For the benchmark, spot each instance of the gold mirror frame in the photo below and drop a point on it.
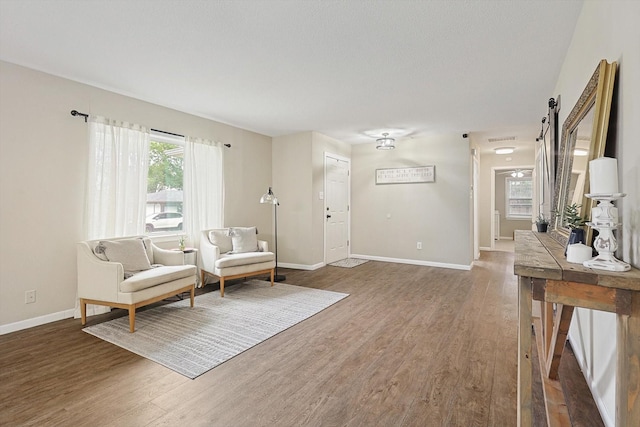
(596, 97)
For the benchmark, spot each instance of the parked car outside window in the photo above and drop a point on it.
(164, 221)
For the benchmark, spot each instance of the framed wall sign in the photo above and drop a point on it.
(406, 175)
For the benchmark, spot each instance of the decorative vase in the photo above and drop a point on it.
(576, 236)
(542, 228)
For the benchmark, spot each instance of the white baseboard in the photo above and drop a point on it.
(604, 413)
(67, 314)
(414, 262)
(485, 248)
(301, 266)
(36, 321)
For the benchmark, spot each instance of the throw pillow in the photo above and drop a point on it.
(146, 241)
(131, 253)
(244, 239)
(98, 251)
(221, 239)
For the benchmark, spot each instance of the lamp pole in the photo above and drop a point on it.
(277, 277)
(271, 198)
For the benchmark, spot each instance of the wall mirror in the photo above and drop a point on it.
(584, 135)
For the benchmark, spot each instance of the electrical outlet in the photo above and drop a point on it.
(30, 297)
(419, 245)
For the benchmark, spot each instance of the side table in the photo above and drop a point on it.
(191, 258)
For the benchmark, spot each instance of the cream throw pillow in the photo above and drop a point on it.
(131, 253)
(244, 239)
(220, 238)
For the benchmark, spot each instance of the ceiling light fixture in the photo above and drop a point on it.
(504, 150)
(385, 143)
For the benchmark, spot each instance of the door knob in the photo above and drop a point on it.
(328, 216)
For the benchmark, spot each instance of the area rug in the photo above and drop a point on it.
(349, 262)
(191, 341)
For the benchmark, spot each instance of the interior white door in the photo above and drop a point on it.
(336, 208)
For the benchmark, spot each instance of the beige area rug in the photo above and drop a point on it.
(192, 341)
(349, 262)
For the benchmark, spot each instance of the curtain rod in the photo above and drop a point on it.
(86, 116)
(76, 113)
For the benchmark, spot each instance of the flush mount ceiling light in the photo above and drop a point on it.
(504, 150)
(385, 143)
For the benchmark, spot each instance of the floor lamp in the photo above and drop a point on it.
(271, 199)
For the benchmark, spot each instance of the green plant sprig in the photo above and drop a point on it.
(572, 218)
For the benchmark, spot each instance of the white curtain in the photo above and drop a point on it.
(116, 193)
(203, 202)
(117, 179)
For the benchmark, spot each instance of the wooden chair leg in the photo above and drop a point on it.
(272, 273)
(83, 311)
(193, 294)
(202, 275)
(132, 318)
(221, 287)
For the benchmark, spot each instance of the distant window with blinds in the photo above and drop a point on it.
(519, 198)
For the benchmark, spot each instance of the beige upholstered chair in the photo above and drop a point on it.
(234, 252)
(130, 273)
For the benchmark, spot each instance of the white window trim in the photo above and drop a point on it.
(507, 199)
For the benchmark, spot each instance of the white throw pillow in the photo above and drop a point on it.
(220, 238)
(148, 249)
(131, 253)
(244, 239)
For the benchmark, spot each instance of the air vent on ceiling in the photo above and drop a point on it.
(505, 138)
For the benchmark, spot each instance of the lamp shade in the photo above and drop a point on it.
(269, 198)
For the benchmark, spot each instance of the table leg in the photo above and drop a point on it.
(628, 366)
(525, 417)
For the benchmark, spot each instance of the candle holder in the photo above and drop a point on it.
(605, 220)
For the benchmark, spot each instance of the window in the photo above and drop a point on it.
(519, 195)
(165, 183)
(139, 180)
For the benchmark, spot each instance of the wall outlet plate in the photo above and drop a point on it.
(30, 297)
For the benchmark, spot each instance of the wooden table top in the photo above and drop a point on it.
(538, 255)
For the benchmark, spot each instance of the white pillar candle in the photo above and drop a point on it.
(603, 176)
(578, 253)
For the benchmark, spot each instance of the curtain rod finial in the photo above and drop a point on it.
(77, 113)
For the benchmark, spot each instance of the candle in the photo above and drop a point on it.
(578, 253)
(603, 176)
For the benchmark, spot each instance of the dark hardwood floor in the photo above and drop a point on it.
(410, 346)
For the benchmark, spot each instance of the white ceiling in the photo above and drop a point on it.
(349, 69)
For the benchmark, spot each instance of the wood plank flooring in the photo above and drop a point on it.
(410, 346)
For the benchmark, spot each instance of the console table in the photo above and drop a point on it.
(546, 276)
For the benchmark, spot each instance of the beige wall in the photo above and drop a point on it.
(298, 177)
(608, 30)
(292, 184)
(388, 220)
(43, 157)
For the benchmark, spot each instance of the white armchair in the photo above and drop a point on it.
(234, 252)
(126, 273)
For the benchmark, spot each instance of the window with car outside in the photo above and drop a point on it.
(165, 184)
(519, 198)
